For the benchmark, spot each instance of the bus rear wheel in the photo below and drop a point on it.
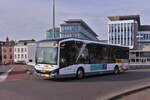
(116, 70)
(80, 73)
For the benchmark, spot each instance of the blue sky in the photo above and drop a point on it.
(27, 19)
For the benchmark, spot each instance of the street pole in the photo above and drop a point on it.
(53, 32)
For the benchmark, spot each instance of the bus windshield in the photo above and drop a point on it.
(47, 55)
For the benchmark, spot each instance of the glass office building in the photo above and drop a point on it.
(123, 30)
(144, 34)
(77, 28)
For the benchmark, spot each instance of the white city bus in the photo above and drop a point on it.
(70, 57)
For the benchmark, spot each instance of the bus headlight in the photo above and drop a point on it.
(47, 75)
(47, 69)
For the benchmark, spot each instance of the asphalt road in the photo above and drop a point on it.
(90, 88)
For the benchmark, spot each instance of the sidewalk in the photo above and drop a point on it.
(143, 95)
(4, 68)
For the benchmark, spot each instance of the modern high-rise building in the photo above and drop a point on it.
(142, 53)
(75, 28)
(144, 33)
(123, 30)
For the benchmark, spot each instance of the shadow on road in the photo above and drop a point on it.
(17, 72)
(126, 76)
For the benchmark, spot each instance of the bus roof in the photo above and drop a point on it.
(59, 39)
(79, 39)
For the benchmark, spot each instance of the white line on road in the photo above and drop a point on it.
(4, 75)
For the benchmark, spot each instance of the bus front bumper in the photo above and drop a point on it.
(47, 74)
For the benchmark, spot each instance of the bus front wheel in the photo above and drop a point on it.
(80, 73)
(116, 70)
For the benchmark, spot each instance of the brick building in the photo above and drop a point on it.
(1, 44)
(7, 52)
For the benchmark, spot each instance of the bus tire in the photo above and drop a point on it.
(116, 70)
(80, 73)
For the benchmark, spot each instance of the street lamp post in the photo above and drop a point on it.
(53, 32)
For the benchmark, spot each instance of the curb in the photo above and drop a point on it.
(119, 95)
(134, 67)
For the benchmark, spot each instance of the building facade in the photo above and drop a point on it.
(20, 53)
(1, 44)
(31, 52)
(123, 30)
(8, 52)
(23, 51)
(75, 28)
(144, 35)
(142, 55)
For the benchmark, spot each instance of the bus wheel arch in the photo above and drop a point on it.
(80, 73)
(116, 70)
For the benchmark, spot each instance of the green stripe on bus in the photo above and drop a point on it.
(96, 67)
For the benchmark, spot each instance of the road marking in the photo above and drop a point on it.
(5, 75)
(18, 73)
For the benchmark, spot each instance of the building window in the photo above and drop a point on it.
(22, 56)
(121, 27)
(5, 56)
(62, 28)
(125, 41)
(25, 56)
(10, 56)
(18, 56)
(128, 42)
(129, 26)
(118, 40)
(21, 49)
(119, 34)
(18, 49)
(76, 28)
(10, 49)
(25, 50)
(125, 27)
(128, 34)
(121, 41)
(118, 27)
(4, 50)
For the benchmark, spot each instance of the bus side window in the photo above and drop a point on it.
(84, 58)
(99, 54)
(69, 53)
(91, 51)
